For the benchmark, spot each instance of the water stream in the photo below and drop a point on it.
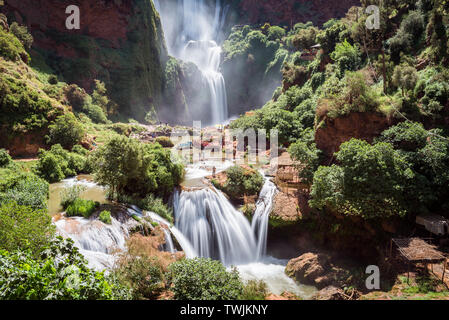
(192, 28)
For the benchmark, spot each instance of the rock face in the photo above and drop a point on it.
(289, 12)
(120, 42)
(333, 132)
(285, 209)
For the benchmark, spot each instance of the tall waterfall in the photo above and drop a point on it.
(192, 28)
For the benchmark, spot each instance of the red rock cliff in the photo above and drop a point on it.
(120, 42)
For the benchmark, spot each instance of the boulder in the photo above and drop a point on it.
(310, 269)
(330, 293)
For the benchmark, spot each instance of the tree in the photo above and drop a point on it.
(369, 182)
(346, 56)
(308, 157)
(21, 32)
(99, 96)
(66, 131)
(130, 167)
(405, 77)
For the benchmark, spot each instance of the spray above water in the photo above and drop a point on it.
(192, 28)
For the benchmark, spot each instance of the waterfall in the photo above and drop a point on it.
(189, 251)
(97, 241)
(192, 31)
(213, 227)
(261, 216)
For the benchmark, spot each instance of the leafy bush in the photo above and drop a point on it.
(275, 33)
(29, 190)
(49, 167)
(143, 275)
(346, 56)
(10, 47)
(57, 163)
(204, 279)
(356, 96)
(307, 156)
(21, 33)
(5, 158)
(130, 167)
(105, 217)
(53, 79)
(81, 208)
(23, 227)
(22, 107)
(165, 142)
(369, 182)
(66, 131)
(70, 194)
(254, 290)
(242, 181)
(60, 272)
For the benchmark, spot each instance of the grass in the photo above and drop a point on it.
(422, 287)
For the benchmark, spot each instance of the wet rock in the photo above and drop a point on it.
(309, 267)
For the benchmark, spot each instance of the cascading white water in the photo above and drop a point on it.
(261, 216)
(195, 41)
(189, 251)
(214, 228)
(97, 241)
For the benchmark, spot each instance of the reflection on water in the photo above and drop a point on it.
(93, 192)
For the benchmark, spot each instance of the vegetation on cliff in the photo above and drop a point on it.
(397, 73)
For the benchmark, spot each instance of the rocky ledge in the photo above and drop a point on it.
(317, 269)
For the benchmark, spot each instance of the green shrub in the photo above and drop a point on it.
(66, 131)
(105, 217)
(129, 167)
(81, 208)
(5, 158)
(24, 228)
(70, 194)
(57, 164)
(241, 181)
(275, 33)
(143, 274)
(22, 107)
(254, 290)
(60, 272)
(370, 182)
(29, 191)
(53, 79)
(49, 168)
(165, 142)
(10, 47)
(204, 279)
(21, 33)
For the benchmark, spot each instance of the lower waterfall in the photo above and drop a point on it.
(215, 229)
